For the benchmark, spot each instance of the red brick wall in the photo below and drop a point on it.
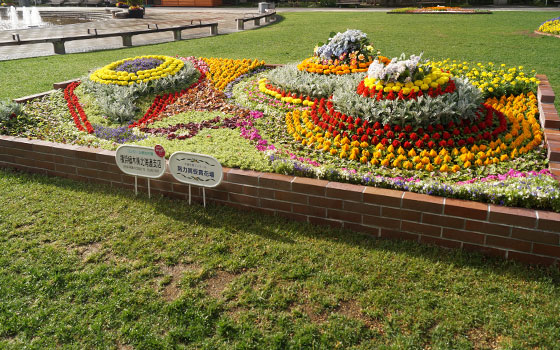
(530, 236)
(525, 235)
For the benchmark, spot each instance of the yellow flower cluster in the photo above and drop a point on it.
(309, 65)
(551, 26)
(490, 77)
(433, 80)
(524, 135)
(278, 96)
(222, 71)
(108, 75)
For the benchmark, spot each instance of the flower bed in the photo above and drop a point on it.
(446, 128)
(438, 9)
(551, 27)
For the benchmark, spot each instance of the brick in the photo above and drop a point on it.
(371, 231)
(325, 222)
(42, 147)
(553, 149)
(30, 162)
(344, 216)
(6, 141)
(383, 196)
(513, 216)
(466, 209)
(23, 144)
(75, 162)
(184, 188)
(440, 242)
(244, 177)
(276, 181)
(443, 220)
(16, 152)
(43, 157)
(88, 153)
(422, 202)
(159, 185)
(65, 168)
(309, 186)
(549, 221)
(489, 228)
(239, 188)
(535, 235)
(87, 172)
(401, 214)
(379, 221)
(129, 179)
(463, 236)
(5, 157)
(362, 208)
(309, 210)
(65, 150)
(546, 249)
(106, 157)
(392, 234)
(215, 194)
(530, 259)
(325, 202)
(266, 193)
(345, 191)
(499, 253)
(421, 228)
(109, 176)
(242, 199)
(276, 205)
(508, 243)
(291, 197)
(292, 216)
(545, 93)
(44, 165)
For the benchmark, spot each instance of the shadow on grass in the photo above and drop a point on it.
(262, 225)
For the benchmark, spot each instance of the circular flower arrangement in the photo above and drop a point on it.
(136, 70)
(404, 79)
(344, 53)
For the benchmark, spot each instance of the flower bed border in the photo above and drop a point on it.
(526, 235)
(546, 34)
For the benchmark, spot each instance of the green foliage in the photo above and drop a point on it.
(12, 121)
(112, 270)
(119, 103)
(292, 79)
(462, 104)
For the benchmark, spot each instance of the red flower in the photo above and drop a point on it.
(354, 137)
(390, 135)
(470, 140)
(431, 144)
(413, 136)
(450, 143)
(456, 132)
(396, 143)
(419, 144)
(386, 127)
(369, 131)
(377, 125)
(407, 145)
(397, 128)
(420, 131)
(426, 137)
(402, 136)
(375, 140)
(408, 128)
(384, 141)
(364, 138)
(442, 144)
(379, 132)
(430, 129)
(461, 143)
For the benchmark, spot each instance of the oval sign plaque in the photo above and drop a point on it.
(140, 161)
(195, 169)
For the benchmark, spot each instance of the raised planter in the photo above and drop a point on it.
(526, 235)
(138, 13)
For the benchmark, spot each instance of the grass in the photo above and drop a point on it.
(86, 266)
(503, 37)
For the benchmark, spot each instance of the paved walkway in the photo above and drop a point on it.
(163, 17)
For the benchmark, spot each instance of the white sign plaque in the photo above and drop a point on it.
(195, 169)
(140, 161)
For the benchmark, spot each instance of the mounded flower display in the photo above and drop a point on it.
(142, 69)
(448, 128)
(551, 26)
(344, 53)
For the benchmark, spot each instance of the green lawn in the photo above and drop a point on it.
(87, 267)
(502, 37)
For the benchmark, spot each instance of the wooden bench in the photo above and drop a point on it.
(422, 3)
(356, 3)
(268, 17)
(126, 36)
